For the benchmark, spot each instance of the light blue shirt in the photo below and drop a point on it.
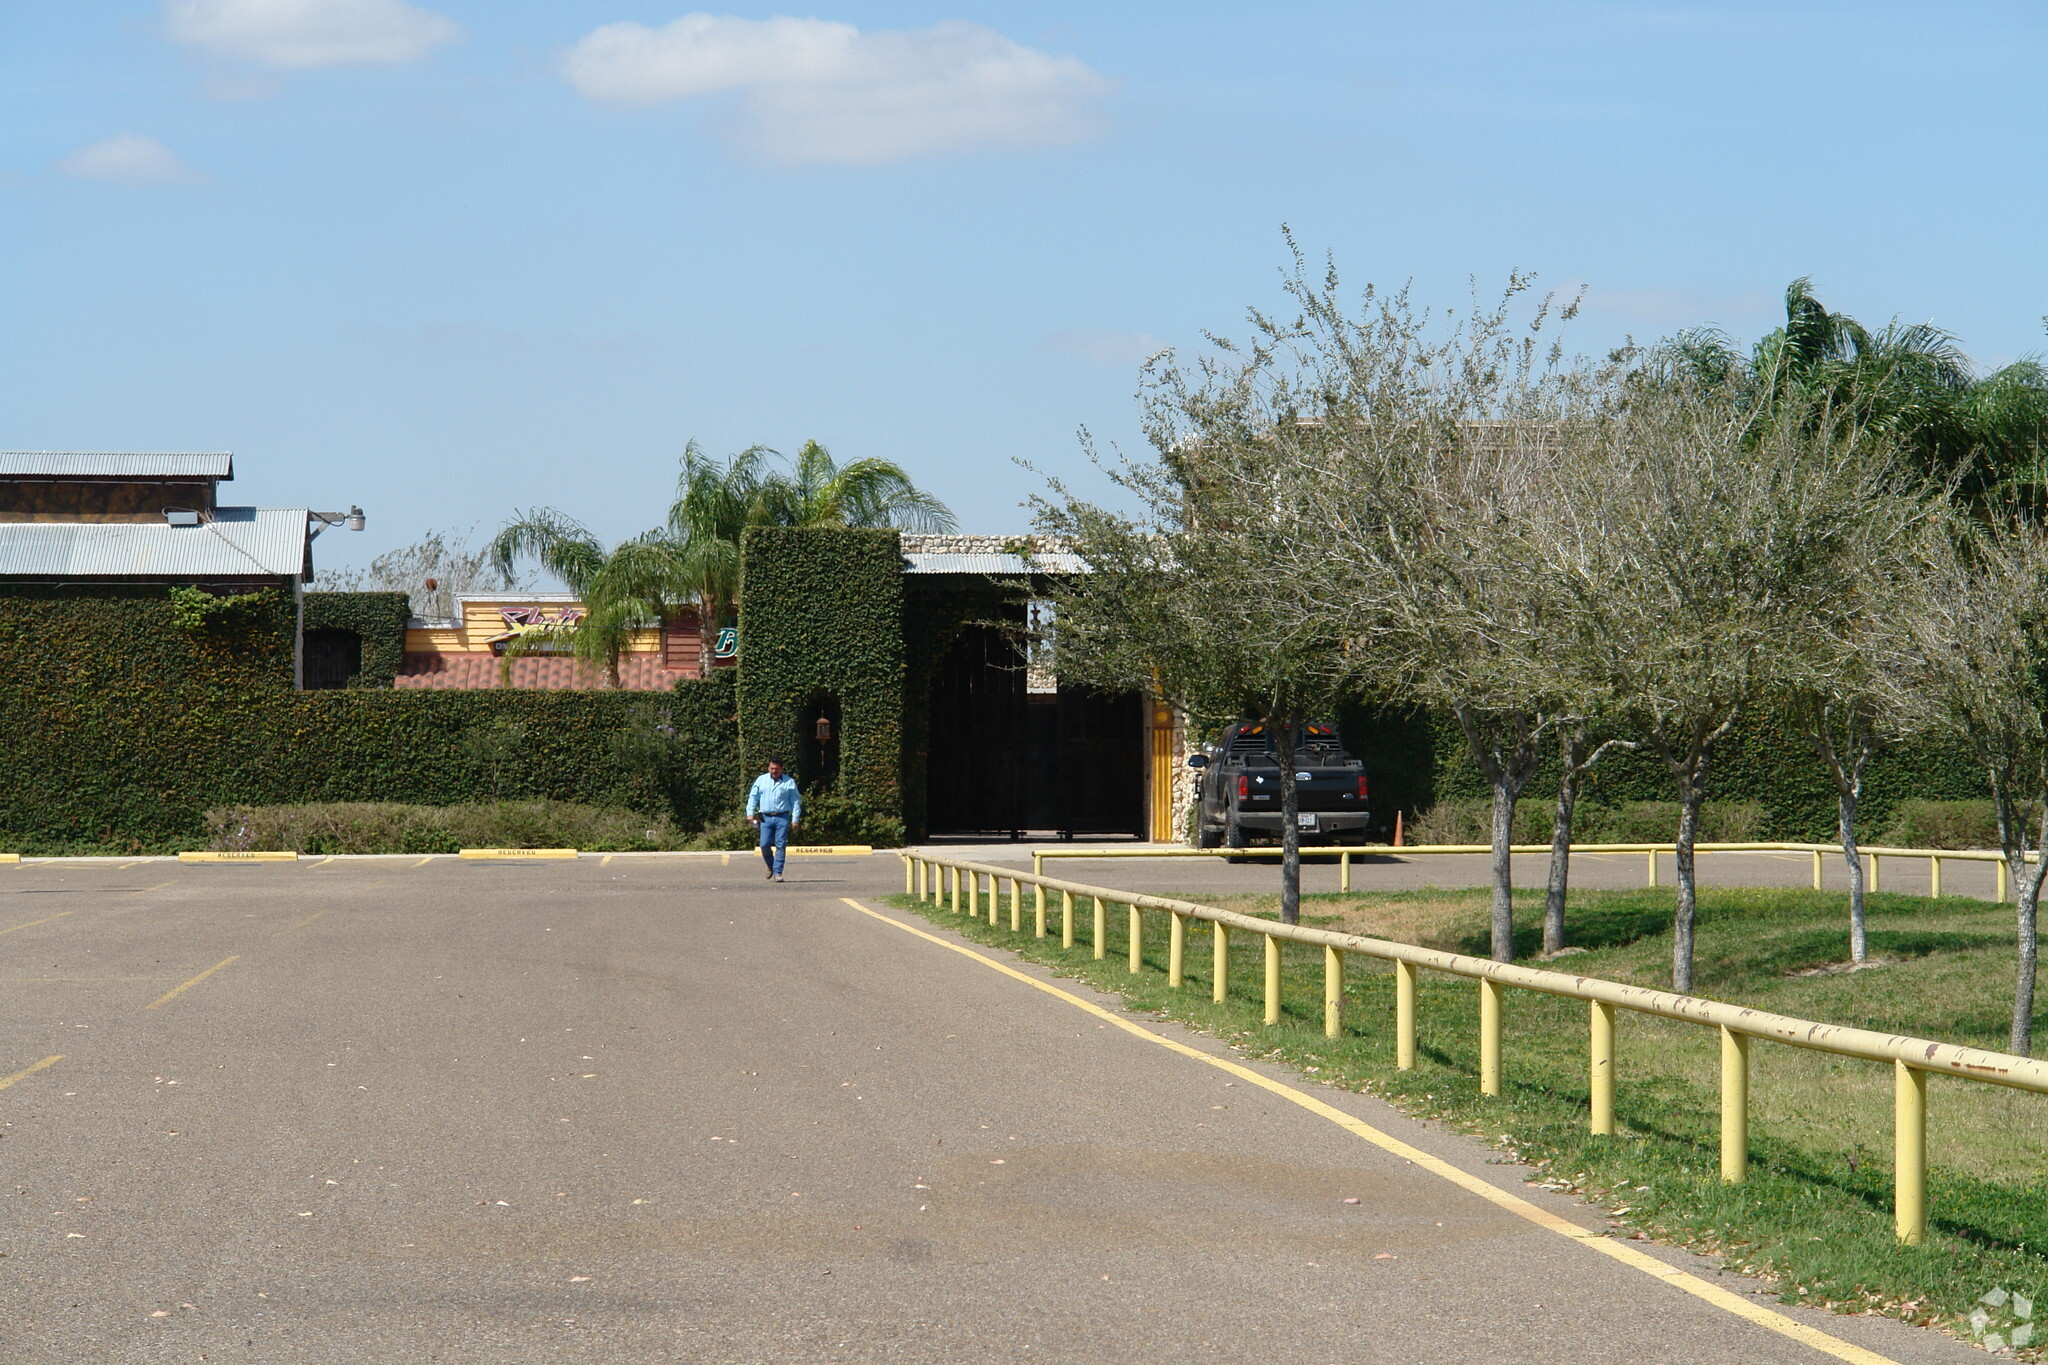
(769, 797)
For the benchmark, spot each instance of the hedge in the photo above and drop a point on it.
(821, 627)
(1415, 761)
(377, 619)
(119, 729)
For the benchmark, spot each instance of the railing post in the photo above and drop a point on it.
(1404, 1016)
(1934, 878)
(1653, 868)
(1066, 919)
(1734, 1106)
(1219, 990)
(1489, 1036)
(1038, 911)
(1137, 940)
(924, 879)
(1016, 904)
(1037, 863)
(1273, 950)
(2003, 875)
(1344, 861)
(1816, 869)
(1333, 991)
(1876, 872)
(1601, 1075)
(1909, 1153)
(955, 889)
(1176, 950)
(995, 895)
(909, 874)
(1101, 928)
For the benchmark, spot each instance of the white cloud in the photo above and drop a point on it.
(813, 90)
(309, 33)
(128, 159)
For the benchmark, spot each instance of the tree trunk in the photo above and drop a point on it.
(1571, 766)
(2026, 887)
(1503, 935)
(708, 613)
(1845, 822)
(1505, 748)
(1290, 826)
(1691, 791)
(1859, 743)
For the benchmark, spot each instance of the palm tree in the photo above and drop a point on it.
(695, 556)
(716, 501)
(641, 580)
(872, 492)
(1985, 436)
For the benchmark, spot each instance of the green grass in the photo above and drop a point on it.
(1814, 1218)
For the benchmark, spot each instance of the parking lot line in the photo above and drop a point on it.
(34, 922)
(28, 1071)
(177, 991)
(304, 922)
(144, 891)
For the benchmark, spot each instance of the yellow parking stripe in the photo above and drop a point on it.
(28, 1071)
(175, 992)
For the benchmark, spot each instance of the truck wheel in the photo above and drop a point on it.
(1233, 837)
(1206, 837)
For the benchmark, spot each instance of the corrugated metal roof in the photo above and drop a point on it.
(108, 464)
(994, 564)
(240, 542)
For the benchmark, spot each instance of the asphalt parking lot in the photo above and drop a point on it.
(654, 1109)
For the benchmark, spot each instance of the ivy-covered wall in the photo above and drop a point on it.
(1416, 760)
(119, 727)
(821, 627)
(377, 618)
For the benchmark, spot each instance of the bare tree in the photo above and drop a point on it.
(1190, 599)
(432, 571)
(1855, 688)
(1982, 636)
(1445, 434)
(1703, 542)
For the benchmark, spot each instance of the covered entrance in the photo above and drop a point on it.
(1007, 760)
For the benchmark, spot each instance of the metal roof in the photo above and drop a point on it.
(106, 464)
(239, 542)
(1056, 563)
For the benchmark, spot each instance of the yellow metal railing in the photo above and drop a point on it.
(1651, 852)
(1912, 1059)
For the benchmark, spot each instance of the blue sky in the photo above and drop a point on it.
(445, 257)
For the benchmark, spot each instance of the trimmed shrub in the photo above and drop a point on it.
(1632, 822)
(829, 818)
(393, 827)
(1943, 824)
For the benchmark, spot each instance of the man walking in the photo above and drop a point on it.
(774, 808)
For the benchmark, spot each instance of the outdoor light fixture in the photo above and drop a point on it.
(353, 519)
(824, 730)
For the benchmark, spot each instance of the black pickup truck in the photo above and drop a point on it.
(1237, 788)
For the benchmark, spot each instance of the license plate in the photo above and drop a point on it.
(1305, 821)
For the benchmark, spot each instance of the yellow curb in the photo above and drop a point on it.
(517, 853)
(274, 856)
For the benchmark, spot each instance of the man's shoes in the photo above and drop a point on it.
(771, 874)
(778, 876)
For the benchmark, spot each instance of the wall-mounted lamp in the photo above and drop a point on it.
(824, 731)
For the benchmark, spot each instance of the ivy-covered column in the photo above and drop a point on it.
(821, 637)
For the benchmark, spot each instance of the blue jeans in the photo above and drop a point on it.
(774, 840)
